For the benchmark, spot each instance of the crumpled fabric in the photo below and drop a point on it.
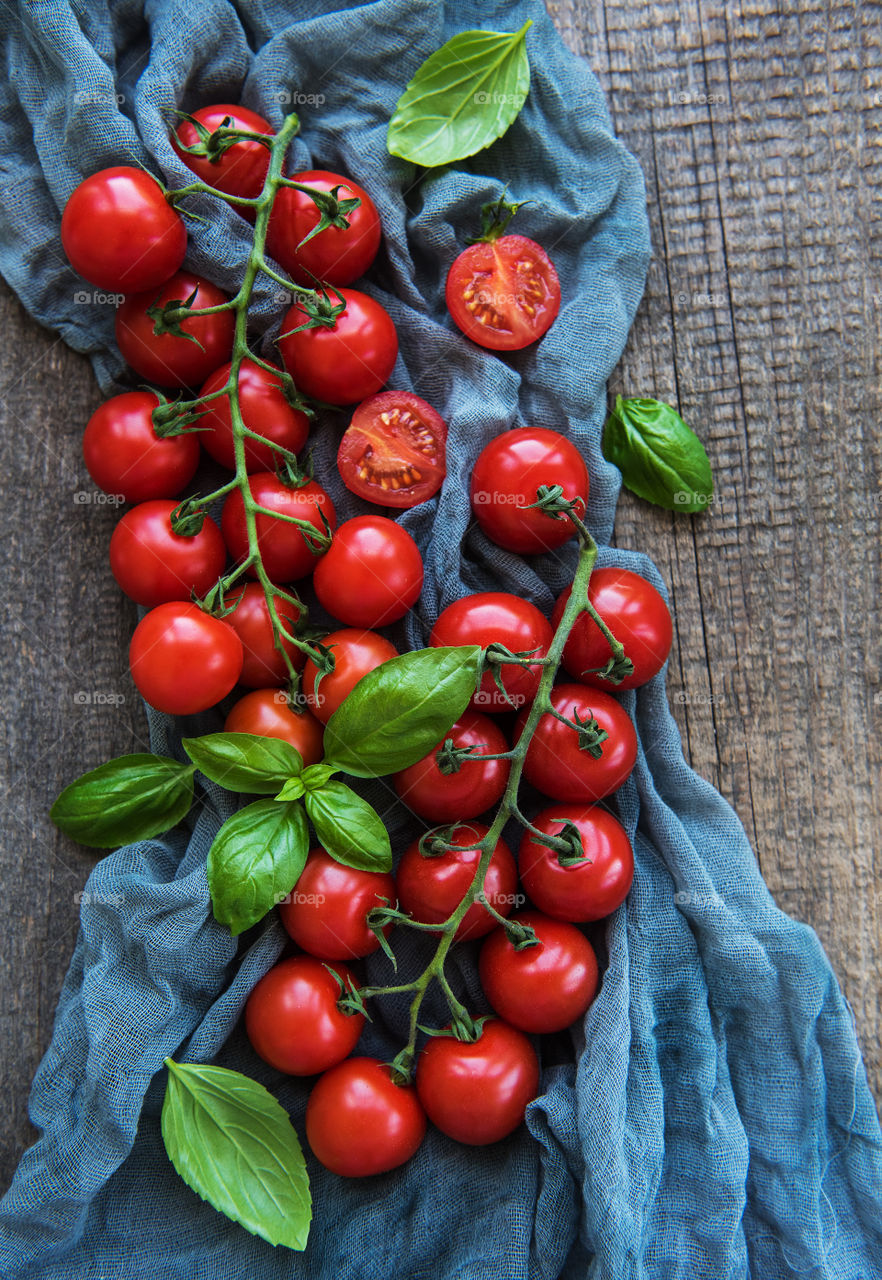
(711, 1118)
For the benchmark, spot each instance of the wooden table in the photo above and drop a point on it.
(758, 129)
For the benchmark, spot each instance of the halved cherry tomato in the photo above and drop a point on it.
(393, 451)
(168, 359)
(241, 169)
(504, 294)
(337, 255)
(264, 409)
(267, 712)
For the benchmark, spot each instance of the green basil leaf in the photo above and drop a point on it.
(399, 711)
(244, 761)
(347, 826)
(463, 97)
(131, 798)
(661, 458)
(235, 1146)
(256, 858)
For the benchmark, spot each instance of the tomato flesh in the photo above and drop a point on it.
(392, 452)
(505, 294)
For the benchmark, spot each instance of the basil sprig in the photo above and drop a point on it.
(255, 860)
(661, 458)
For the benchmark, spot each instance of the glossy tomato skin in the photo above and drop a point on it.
(125, 456)
(555, 763)
(336, 255)
(372, 573)
(293, 1021)
(478, 1093)
(478, 785)
(120, 233)
(264, 664)
(355, 654)
(268, 713)
(636, 615)
(167, 359)
(359, 1122)
(239, 171)
(153, 565)
(344, 363)
(393, 451)
(542, 988)
(490, 617)
(264, 410)
(285, 552)
(505, 479)
(183, 660)
(584, 891)
(503, 295)
(431, 888)
(325, 913)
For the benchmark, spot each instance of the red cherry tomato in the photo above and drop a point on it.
(184, 660)
(337, 255)
(168, 359)
(264, 410)
(293, 1021)
(430, 888)
(558, 766)
(360, 1122)
(506, 477)
(542, 988)
(268, 713)
(586, 890)
(393, 451)
(355, 654)
(478, 1093)
(473, 789)
(343, 362)
(286, 553)
(125, 456)
(636, 615)
(372, 573)
(264, 664)
(496, 617)
(325, 913)
(120, 233)
(504, 294)
(241, 169)
(153, 564)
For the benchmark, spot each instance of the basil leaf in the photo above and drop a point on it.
(131, 798)
(244, 761)
(235, 1146)
(347, 826)
(399, 711)
(463, 97)
(660, 457)
(256, 858)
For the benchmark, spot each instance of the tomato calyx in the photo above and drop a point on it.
(450, 758)
(550, 500)
(212, 144)
(168, 317)
(173, 417)
(591, 736)
(333, 211)
(188, 518)
(351, 1002)
(618, 668)
(320, 311)
(436, 842)
(521, 936)
(495, 217)
(497, 655)
(566, 843)
(463, 1027)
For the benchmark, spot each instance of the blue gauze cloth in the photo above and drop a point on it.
(712, 1118)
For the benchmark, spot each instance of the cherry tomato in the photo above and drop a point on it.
(392, 452)
(586, 890)
(286, 553)
(125, 456)
(153, 564)
(496, 617)
(360, 1122)
(473, 789)
(372, 573)
(557, 765)
(636, 615)
(293, 1021)
(430, 888)
(504, 294)
(478, 1093)
(337, 255)
(168, 359)
(343, 362)
(119, 231)
(268, 713)
(241, 169)
(355, 654)
(506, 477)
(264, 664)
(541, 988)
(326, 911)
(264, 410)
(184, 660)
